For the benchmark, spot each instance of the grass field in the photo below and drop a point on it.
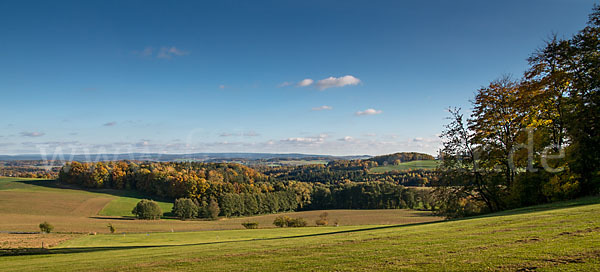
(558, 237)
(122, 206)
(429, 164)
(26, 203)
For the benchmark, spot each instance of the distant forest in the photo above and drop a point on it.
(242, 190)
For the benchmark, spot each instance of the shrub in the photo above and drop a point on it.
(46, 227)
(147, 209)
(321, 222)
(250, 225)
(323, 219)
(111, 228)
(185, 208)
(297, 222)
(213, 209)
(281, 221)
(284, 221)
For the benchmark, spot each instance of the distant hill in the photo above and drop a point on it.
(208, 157)
(397, 158)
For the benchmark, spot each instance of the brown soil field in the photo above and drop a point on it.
(32, 240)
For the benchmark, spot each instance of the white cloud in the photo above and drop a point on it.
(307, 140)
(305, 82)
(324, 107)
(368, 112)
(346, 139)
(337, 82)
(32, 134)
(170, 52)
(110, 124)
(302, 140)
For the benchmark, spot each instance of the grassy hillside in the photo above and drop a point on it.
(424, 164)
(562, 236)
(24, 203)
(122, 206)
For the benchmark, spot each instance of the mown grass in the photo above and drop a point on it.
(411, 165)
(558, 237)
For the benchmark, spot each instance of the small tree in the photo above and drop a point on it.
(185, 208)
(46, 227)
(147, 209)
(323, 219)
(213, 209)
(281, 221)
(111, 228)
(250, 225)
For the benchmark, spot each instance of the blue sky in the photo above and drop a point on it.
(228, 76)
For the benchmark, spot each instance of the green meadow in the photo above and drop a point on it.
(411, 165)
(562, 236)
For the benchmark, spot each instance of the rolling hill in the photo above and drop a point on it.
(557, 237)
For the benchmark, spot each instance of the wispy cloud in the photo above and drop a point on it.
(285, 84)
(346, 139)
(147, 52)
(331, 82)
(165, 52)
(32, 134)
(324, 107)
(368, 112)
(249, 133)
(306, 140)
(110, 124)
(325, 83)
(170, 52)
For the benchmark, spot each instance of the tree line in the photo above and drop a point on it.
(532, 139)
(237, 190)
(344, 171)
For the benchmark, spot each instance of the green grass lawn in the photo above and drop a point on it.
(428, 164)
(558, 237)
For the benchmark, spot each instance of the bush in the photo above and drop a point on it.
(297, 222)
(185, 208)
(321, 222)
(250, 225)
(323, 219)
(284, 221)
(281, 221)
(46, 227)
(213, 209)
(147, 209)
(111, 228)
